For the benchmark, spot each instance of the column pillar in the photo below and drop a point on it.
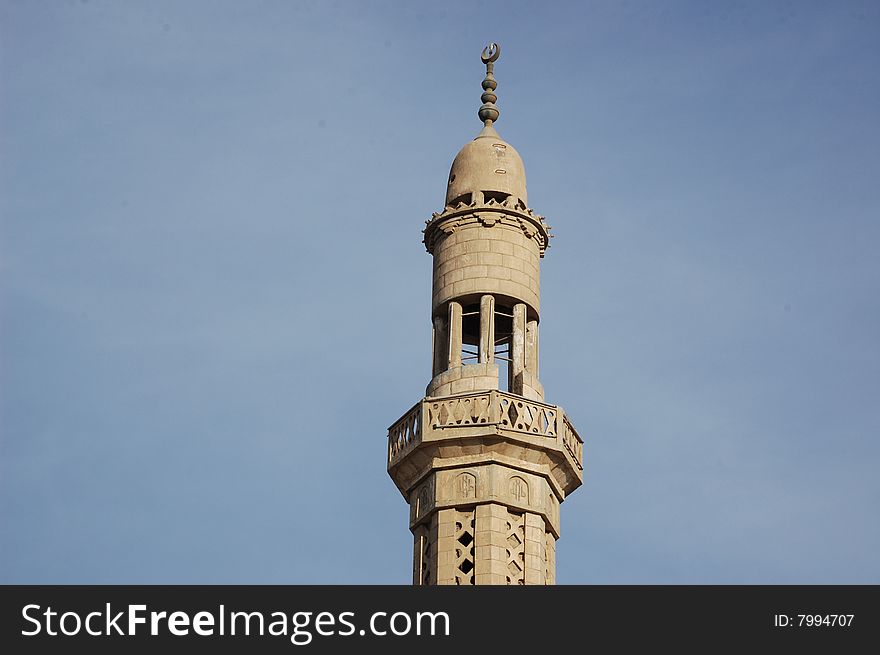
(532, 347)
(440, 344)
(487, 329)
(454, 329)
(518, 348)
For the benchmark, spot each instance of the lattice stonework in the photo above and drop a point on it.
(464, 548)
(520, 414)
(459, 411)
(404, 433)
(516, 551)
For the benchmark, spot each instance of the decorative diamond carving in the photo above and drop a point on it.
(464, 548)
(516, 555)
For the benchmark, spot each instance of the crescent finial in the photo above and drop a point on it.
(491, 52)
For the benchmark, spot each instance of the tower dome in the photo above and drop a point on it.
(487, 166)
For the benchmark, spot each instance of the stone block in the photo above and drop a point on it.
(498, 272)
(502, 247)
(478, 246)
(491, 259)
(468, 234)
(474, 271)
(453, 276)
(462, 385)
(519, 277)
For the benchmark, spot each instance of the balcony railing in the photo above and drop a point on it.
(505, 410)
(405, 433)
(573, 442)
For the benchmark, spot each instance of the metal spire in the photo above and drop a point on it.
(489, 112)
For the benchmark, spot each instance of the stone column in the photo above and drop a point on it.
(487, 329)
(518, 348)
(441, 342)
(454, 329)
(532, 348)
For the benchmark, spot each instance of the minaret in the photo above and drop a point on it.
(483, 461)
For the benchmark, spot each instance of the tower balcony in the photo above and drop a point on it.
(482, 427)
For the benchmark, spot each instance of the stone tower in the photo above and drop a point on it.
(483, 461)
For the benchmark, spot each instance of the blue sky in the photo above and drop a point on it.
(214, 299)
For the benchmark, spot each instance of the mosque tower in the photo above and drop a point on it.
(483, 461)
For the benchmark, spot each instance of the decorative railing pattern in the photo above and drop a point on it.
(405, 433)
(467, 410)
(523, 415)
(506, 410)
(573, 442)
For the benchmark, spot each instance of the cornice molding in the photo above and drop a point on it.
(490, 214)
